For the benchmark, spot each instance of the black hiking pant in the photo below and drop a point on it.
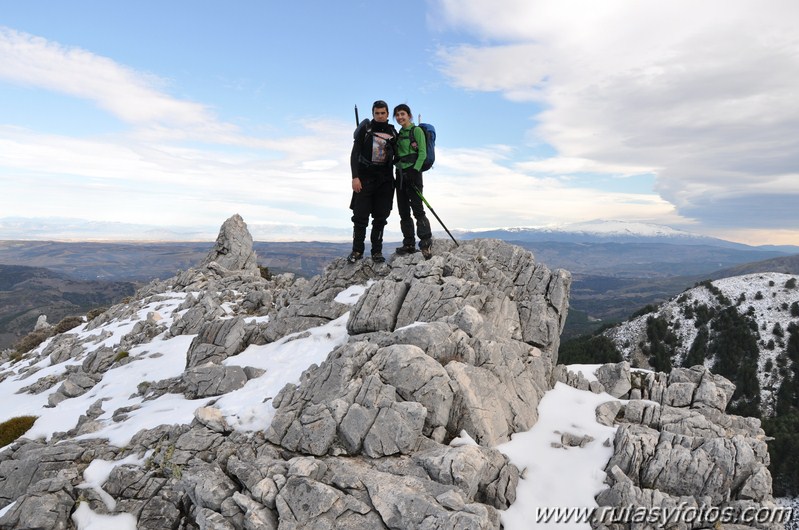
(376, 199)
(409, 201)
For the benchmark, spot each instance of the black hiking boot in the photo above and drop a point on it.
(404, 250)
(377, 257)
(426, 248)
(354, 256)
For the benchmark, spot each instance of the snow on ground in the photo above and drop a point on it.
(792, 502)
(554, 476)
(765, 293)
(158, 359)
(86, 519)
(249, 408)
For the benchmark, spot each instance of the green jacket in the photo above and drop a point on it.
(406, 151)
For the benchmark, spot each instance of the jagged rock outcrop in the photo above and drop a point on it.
(232, 252)
(42, 324)
(464, 341)
(676, 449)
(515, 297)
(480, 362)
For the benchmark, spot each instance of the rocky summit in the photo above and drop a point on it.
(168, 411)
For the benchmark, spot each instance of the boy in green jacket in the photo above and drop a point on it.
(412, 151)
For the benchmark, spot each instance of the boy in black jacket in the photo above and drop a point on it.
(372, 181)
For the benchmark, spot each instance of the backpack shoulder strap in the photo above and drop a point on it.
(412, 138)
(411, 157)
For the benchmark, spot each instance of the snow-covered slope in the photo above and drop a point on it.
(769, 300)
(161, 358)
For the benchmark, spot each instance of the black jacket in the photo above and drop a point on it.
(373, 150)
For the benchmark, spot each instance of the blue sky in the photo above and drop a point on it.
(162, 119)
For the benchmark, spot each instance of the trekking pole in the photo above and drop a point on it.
(419, 193)
(357, 121)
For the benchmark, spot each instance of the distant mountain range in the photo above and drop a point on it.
(618, 267)
(603, 247)
(610, 231)
(597, 231)
(594, 230)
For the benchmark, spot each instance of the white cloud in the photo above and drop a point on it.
(703, 93)
(569, 165)
(151, 173)
(477, 188)
(127, 94)
(127, 181)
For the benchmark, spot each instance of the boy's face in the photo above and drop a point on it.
(380, 114)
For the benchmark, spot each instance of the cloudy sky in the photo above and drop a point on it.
(162, 119)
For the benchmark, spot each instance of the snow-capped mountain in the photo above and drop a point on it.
(615, 228)
(602, 231)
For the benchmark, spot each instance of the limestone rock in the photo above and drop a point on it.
(42, 324)
(607, 412)
(615, 378)
(515, 297)
(681, 448)
(213, 380)
(216, 341)
(233, 252)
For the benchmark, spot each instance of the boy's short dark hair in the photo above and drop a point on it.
(402, 106)
(379, 104)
